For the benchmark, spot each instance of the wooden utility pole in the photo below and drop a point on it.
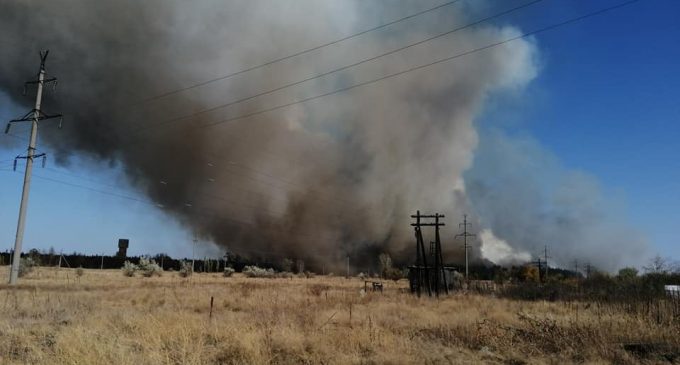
(33, 116)
(424, 274)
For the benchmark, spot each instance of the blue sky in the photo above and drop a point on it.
(604, 102)
(608, 105)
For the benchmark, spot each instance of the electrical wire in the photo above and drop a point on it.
(300, 53)
(376, 80)
(523, 35)
(430, 64)
(317, 76)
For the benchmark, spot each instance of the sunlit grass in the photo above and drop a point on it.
(103, 317)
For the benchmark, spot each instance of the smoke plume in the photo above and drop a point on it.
(318, 180)
(526, 197)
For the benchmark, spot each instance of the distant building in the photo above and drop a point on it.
(672, 291)
(123, 245)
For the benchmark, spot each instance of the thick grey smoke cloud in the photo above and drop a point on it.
(315, 181)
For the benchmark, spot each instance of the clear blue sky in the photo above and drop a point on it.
(605, 102)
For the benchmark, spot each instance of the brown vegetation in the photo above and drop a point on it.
(103, 317)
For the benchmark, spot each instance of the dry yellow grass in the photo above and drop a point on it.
(53, 317)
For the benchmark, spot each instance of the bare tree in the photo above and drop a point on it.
(657, 265)
(385, 264)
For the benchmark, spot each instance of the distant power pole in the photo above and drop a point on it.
(465, 236)
(347, 267)
(226, 258)
(32, 116)
(576, 267)
(193, 254)
(545, 258)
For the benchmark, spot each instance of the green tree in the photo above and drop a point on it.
(628, 273)
(287, 265)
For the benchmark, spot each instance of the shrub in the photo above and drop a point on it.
(149, 267)
(309, 274)
(228, 271)
(26, 265)
(258, 272)
(80, 271)
(284, 275)
(393, 273)
(185, 269)
(129, 269)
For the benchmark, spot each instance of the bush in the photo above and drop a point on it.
(149, 267)
(284, 275)
(258, 272)
(80, 271)
(228, 271)
(393, 273)
(26, 265)
(129, 269)
(185, 269)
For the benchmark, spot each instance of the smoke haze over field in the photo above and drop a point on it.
(317, 180)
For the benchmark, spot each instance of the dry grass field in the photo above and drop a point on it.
(54, 317)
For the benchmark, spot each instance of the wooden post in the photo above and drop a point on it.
(212, 299)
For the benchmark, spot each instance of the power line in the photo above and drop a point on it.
(300, 53)
(78, 176)
(165, 181)
(366, 60)
(200, 212)
(569, 21)
(423, 66)
(97, 190)
(436, 62)
(195, 211)
(524, 35)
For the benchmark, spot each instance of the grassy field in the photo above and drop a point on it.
(54, 317)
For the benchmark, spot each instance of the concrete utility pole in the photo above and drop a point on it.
(465, 235)
(32, 116)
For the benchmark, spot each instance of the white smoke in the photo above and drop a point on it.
(499, 251)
